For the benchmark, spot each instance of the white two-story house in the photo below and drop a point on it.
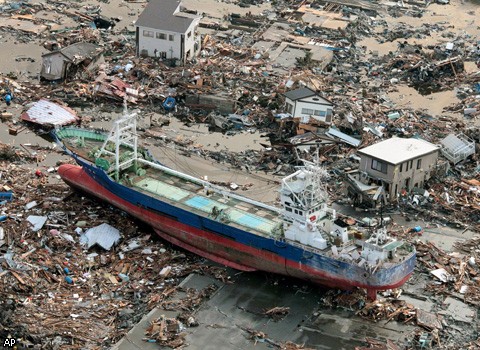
(306, 104)
(399, 164)
(163, 31)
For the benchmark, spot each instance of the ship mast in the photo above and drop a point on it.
(123, 133)
(306, 216)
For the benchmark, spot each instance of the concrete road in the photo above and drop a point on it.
(234, 308)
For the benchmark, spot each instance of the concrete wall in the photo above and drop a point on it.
(172, 49)
(366, 166)
(190, 50)
(417, 177)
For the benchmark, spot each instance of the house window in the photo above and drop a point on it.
(406, 166)
(419, 164)
(170, 37)
(288, 209)
(162, 36)
(307, 111)
(48, 65)
(411, 164)
(189, 34)
(329, 112)
(401, 167)
(379, 166)
(163, 55)
(320, 113)
(148, 33)
(289, 108)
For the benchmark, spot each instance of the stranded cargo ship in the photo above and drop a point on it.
(303, 238)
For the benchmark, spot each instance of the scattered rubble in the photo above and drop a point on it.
(61, 280)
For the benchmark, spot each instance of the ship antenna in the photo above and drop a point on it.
(381, 210)
(125, 107)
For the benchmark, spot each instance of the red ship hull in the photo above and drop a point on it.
(210, 245)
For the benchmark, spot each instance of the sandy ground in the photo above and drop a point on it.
(460, 17)
(219, 8)
(433, 104)
(216, 141)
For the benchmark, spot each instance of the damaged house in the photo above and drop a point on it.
(398, 164)
(57, 65)
(164, 31)
(308, 106)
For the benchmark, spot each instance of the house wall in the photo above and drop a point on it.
(191, 50)
(399, 176)
(320, 110)
(53, 66)
(167, 48)
(417, 176)
(366, 166)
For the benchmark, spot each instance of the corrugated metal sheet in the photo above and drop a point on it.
(49, 113)
(37, 222)
(104, 235)
(344, 137)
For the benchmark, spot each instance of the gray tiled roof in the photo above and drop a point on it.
(299, 93)
(159, 15)
(78, 52)
(80, 49)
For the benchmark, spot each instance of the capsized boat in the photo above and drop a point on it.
(303, 238)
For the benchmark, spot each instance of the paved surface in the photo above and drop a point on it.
(233, 308)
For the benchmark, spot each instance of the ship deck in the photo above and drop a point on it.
(194, 198)
(180, 192)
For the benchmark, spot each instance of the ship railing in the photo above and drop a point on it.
(307, 247)
(369, 245)
(348, 243)
(367, 266)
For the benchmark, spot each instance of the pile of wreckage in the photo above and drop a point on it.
(66, 271)
(238, 83)
(454, 284)
(57, 259)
